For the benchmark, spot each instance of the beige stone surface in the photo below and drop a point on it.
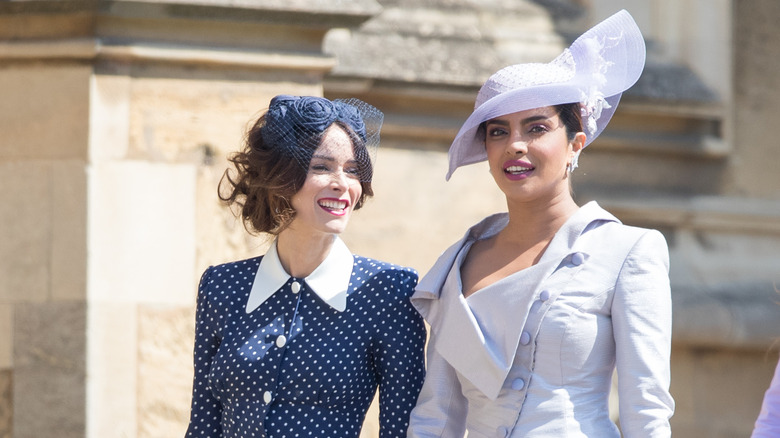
(719, 392)
(757, 99)
(44, 112)
(109, 117)
(142, 232)
(165, 344)
(221, 236)
(49, 375)
(698, 257)
(173, 118)
(6, 336)
(26, 219)
(112, 388)
(68, 238)
(6, 403)
(415, 214)
(44, 230)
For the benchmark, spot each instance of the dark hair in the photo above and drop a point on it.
(571, 116)
(266, 179)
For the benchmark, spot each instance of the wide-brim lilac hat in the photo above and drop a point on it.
(595, 71)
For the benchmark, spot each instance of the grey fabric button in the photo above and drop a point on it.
(518, 384)
(525, 338)
(544, 296)
(577, 258)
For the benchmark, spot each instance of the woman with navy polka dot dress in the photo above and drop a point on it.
(295, 343)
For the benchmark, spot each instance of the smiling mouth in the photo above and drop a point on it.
(335, 206)
(517, 170)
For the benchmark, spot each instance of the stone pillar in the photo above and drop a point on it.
(43, 254)
(116, 120)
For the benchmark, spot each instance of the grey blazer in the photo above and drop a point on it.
(533, 354)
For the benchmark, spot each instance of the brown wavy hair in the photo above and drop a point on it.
(265, 180)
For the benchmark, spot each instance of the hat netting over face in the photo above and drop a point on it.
(594, 71)
(294, 125)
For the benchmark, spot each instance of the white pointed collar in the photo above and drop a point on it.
(329, 280)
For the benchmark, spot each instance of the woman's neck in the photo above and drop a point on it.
(302, 252)
(537, 221)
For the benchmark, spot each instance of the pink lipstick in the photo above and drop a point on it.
(517, 169)
(334, 206)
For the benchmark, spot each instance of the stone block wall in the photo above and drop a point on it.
(43, 255)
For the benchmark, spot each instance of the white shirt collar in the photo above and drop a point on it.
(329, 280)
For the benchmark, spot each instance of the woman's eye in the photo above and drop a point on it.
(319, 167)
(538, 129)
(495, 132)
(352, 170)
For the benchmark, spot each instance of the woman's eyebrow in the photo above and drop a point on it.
(534, 119)
(331, 159)
(523, 121)
(497, 122)
(324, 157)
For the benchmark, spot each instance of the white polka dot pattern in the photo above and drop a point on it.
(295, 367)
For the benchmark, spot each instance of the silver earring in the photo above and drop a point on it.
(573, 163)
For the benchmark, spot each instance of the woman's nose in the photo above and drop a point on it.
(339, 181)
(517, 147)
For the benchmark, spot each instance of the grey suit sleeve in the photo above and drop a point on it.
(642, 322)
(441, 407)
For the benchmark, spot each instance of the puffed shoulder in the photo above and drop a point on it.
(216, 274)
(403, 278)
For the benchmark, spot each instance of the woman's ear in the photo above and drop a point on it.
(578, 143)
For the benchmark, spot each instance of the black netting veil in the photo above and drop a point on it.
(296, 124)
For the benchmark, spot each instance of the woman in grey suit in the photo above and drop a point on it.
(533, 310)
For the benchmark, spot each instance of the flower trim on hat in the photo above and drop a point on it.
(593, 100)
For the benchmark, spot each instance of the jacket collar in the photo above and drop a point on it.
(329, 281)
(588, 215)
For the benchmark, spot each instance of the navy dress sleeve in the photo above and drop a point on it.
(399, 358)
(206, 410)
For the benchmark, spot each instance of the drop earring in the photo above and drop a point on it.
(573, 163)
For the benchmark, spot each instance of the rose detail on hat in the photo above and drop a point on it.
(277, 129)
(351, 116)
(313, 113)
(288, 114)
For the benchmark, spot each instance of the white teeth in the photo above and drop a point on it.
(514, 169)
(334, 205)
